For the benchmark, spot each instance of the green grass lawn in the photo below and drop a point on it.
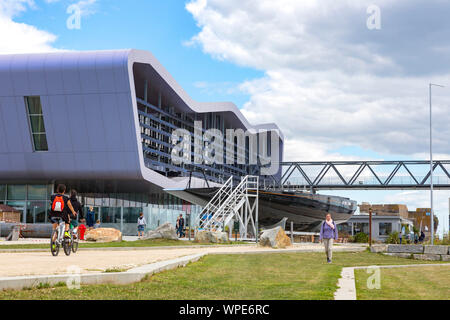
(413, 283)
(252, 276)
(122, 244)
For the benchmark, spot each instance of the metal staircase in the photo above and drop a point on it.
(240, 203)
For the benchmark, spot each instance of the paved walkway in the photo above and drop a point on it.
(95, 261)
(346, 284)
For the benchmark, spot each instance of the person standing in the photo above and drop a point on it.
(181, 226)
(141, 224)
(90, 218)
(328, 233)
(177, 226)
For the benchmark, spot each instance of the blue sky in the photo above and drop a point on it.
(337, 89)
(157, 26)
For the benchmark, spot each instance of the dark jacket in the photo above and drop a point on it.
(181, 223)
(77, 207)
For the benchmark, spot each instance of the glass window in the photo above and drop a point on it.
(2, 192)
(37, 192)
(384, 228)
(130, 215)
(17, 192)
(361, 227)
(36, 212)
(36, 118)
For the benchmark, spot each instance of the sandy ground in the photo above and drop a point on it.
(42, 263)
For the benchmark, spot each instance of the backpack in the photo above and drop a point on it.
(58, 204)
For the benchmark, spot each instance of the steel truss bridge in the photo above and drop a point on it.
(362, 175)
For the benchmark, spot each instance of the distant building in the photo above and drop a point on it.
(386, 218)
(382, 225)
(385, 209)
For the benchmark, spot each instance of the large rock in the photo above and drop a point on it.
(436, 249)
(445, 257)
(399, 248)
(164, 231)
(275, 238)
(103, 235)
(205, 236)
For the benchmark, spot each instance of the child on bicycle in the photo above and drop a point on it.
(60, 207)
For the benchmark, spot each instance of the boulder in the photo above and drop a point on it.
(398, 248)
(445, 257)
(436, 249)
(275, 238)
(103, 235)
(205, 236)
(164, 231)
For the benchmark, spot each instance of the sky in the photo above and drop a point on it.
(342, 81)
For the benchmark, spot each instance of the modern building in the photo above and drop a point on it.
(101, 122)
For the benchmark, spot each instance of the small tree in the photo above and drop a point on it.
(393, 238)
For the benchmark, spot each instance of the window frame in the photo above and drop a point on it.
(30, 127)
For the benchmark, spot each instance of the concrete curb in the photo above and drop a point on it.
(130, 276)
(346, 283)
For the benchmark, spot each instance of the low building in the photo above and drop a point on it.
(382, 225)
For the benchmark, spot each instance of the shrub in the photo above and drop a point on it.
(393, 238)
(360, 237)
(445, 240)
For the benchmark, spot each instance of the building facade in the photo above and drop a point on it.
(101, 122)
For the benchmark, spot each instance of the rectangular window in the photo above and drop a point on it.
(384, 228)
(2, 192)
(37, 192)
(36, 121)
(17, 192)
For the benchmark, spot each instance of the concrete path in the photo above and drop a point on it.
(99, 260)
(346, 284)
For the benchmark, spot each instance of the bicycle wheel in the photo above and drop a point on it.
(75, 244)
(67, 245)
(54, 246)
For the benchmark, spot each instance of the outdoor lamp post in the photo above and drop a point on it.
(431, 163)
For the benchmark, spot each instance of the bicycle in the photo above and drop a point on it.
(58, 235)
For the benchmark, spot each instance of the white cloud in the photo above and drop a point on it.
(330, 82)
(21, 37)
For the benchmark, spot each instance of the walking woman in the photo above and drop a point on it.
(328, 233)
